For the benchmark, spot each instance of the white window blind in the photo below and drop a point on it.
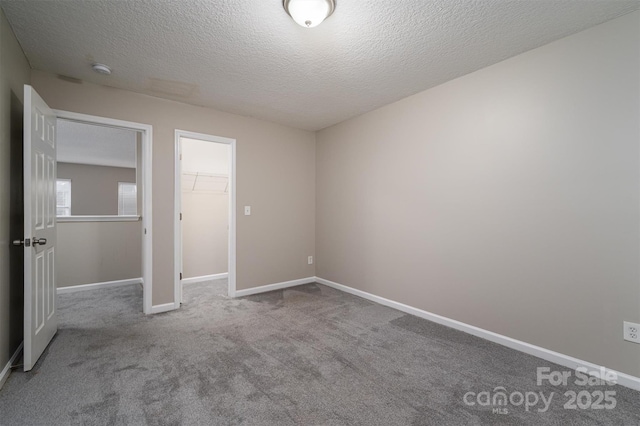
(63, 197)
(127, 199)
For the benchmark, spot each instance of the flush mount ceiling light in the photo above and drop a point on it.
(309, 13)
(101, 69)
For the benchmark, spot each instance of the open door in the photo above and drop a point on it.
(40, 315)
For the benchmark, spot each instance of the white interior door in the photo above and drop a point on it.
(40, 315)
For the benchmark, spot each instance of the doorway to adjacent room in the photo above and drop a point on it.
(204, 210)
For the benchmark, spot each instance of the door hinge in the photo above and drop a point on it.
(180, 276)
(180, 216)
(145, 231)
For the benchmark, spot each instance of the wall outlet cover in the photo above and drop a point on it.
(631, 332)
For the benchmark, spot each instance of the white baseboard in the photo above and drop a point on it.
(271, 287)
(166, 307)
(204, 278)
(94, 286)
(625, 380)
(4, 375)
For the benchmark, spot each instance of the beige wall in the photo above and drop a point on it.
(95, 252)
(14, 73)
(506, 199)
(94, 189)
(205, 235)
(274, 242)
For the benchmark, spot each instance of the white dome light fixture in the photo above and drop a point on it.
(309, 13)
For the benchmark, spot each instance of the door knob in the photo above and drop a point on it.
(41, 241)
(22, 242)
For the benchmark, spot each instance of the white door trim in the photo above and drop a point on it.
(177, 260)
(147, 218)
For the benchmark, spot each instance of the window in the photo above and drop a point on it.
(127, 199)
(63, 197)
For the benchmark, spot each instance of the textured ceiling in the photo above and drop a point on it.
(83, 143)
(248, 56)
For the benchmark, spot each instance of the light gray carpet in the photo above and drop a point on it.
(308, 355)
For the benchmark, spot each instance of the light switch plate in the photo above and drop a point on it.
(247, 210)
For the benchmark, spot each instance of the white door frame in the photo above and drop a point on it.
(147, 222)
(177, 262)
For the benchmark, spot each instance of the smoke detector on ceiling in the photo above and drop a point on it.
(101, 69)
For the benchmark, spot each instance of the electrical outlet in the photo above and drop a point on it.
(310, 260)
(632, 332)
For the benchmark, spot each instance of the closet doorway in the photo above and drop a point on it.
(205, 210)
